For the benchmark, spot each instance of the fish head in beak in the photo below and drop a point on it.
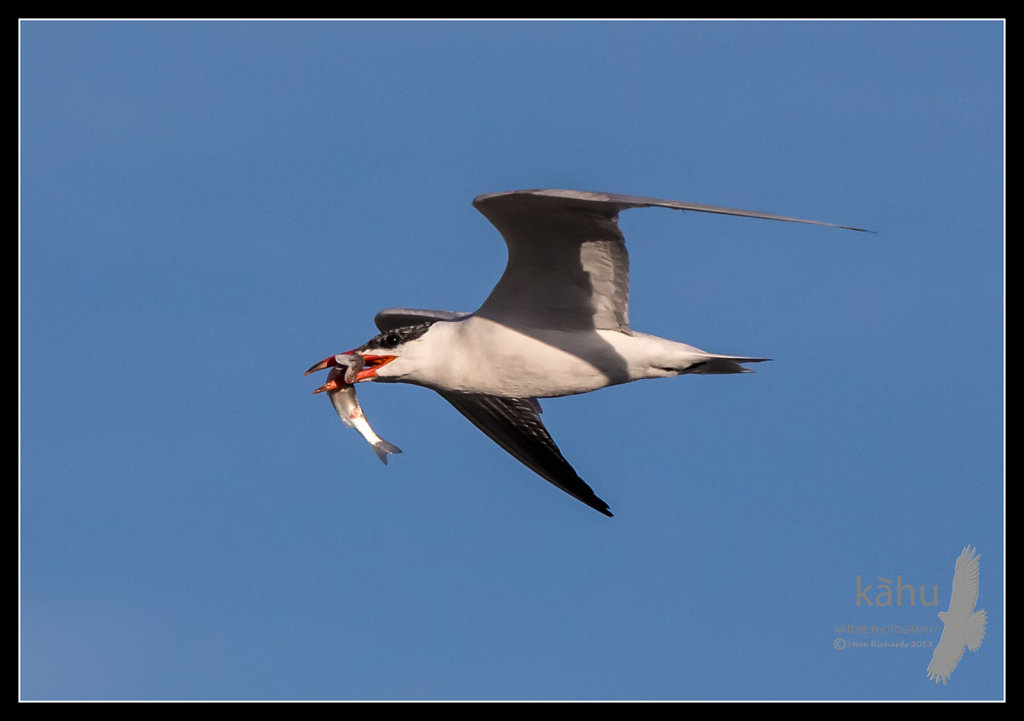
(358, 367)
(371, 364)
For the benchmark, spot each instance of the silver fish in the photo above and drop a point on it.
(342, 393)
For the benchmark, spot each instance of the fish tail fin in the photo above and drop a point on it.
(382, 448)
(975, 631)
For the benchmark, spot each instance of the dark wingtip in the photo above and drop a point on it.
(597, 504)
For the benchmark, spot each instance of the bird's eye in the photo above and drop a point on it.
(392, 339)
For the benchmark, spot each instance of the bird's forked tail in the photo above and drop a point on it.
(713, 364)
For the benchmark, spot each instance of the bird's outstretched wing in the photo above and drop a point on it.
(512, 423)
(568, 267)
(965, 584)
(946, 655)
(515, 425)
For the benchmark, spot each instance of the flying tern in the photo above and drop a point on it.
(556, 324)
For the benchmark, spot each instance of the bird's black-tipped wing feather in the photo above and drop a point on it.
(514, 424)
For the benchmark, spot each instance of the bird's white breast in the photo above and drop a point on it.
(476, 355)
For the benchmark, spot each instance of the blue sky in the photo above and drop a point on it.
(207, 208)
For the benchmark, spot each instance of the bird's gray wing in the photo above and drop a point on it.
(965, 585)
(392, 318)
(514, 424)
(947, 654)
(568, 267)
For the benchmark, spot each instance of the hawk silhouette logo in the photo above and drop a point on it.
(963, 625)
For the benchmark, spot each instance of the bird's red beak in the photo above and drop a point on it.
(325, 363)
(331, 385)
(371, 364)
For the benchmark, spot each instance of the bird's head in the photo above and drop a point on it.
(378, 354)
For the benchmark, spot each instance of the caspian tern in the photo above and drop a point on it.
(556, 324)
